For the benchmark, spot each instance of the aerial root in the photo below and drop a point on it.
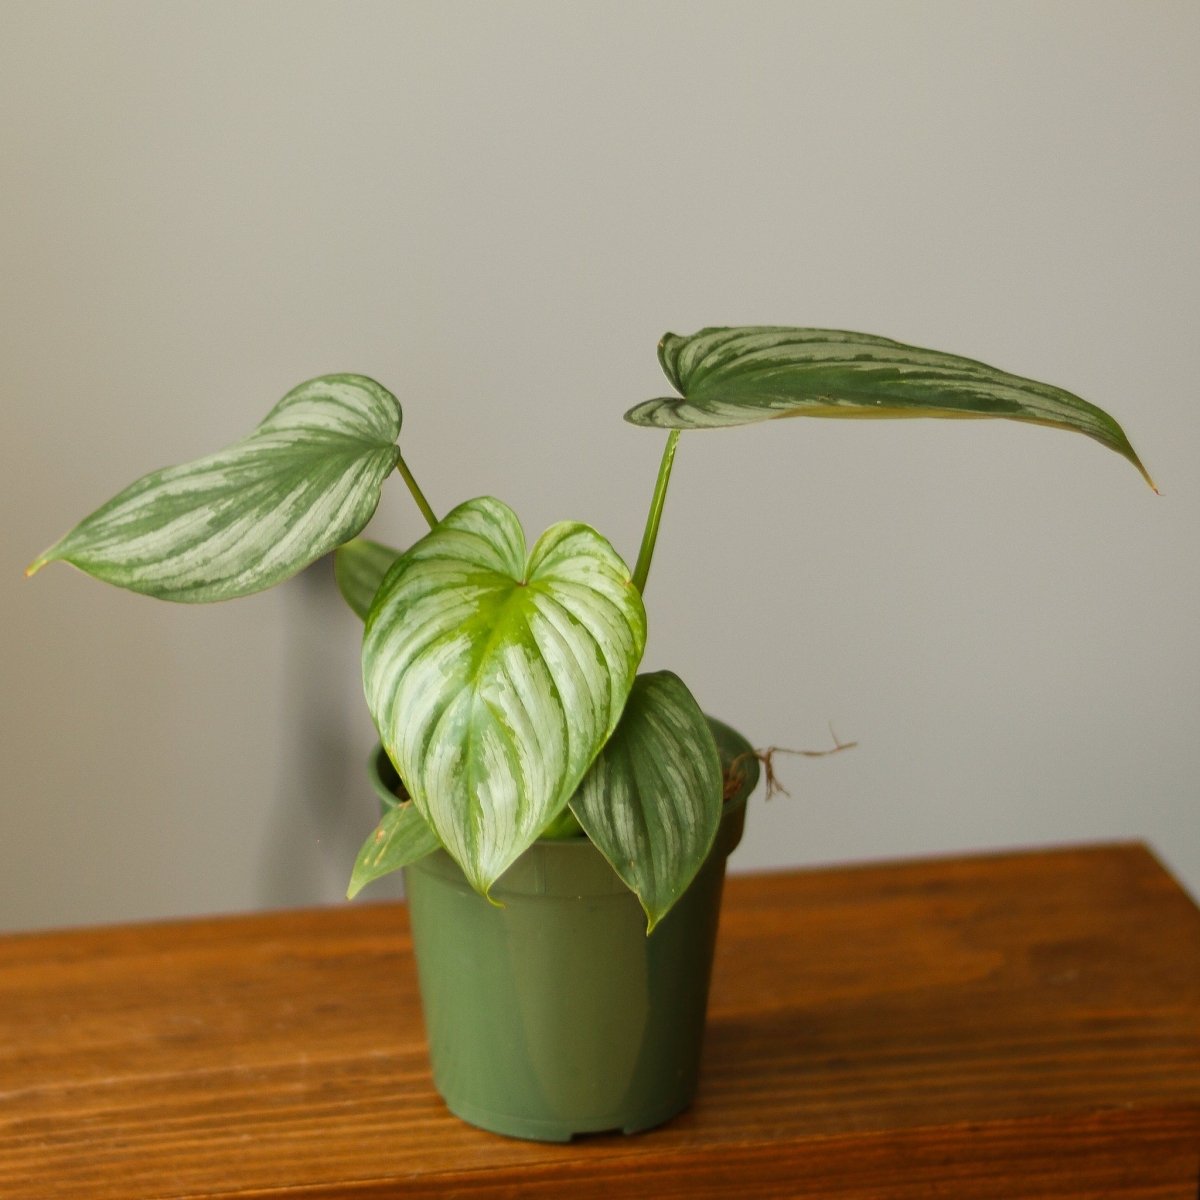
(766, 756)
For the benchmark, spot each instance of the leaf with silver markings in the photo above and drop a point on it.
(739, 375)
(652, 801)
(495, 677)
(236, 522)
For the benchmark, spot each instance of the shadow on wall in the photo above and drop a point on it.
(323, 807)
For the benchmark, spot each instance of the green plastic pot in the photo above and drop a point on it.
(557, 1015)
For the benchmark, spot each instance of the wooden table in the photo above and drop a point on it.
(1011, 1026)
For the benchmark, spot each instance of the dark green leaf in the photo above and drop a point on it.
(739, 763)
(359, 567)
(402, 837)
(652, 801)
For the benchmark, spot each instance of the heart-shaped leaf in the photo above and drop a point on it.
(359, 567)
(735, 376)
(652, 801)
(493, 680)
(307, 479)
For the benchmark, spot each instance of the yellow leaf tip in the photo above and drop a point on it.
(1141, 469)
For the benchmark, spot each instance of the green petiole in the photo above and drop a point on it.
(413, 487)
(646, 553)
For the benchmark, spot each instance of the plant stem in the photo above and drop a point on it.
(646, 553)
(417, 494)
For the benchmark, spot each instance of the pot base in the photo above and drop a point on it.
(546, 1129)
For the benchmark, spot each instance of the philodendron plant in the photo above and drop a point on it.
(503, 679)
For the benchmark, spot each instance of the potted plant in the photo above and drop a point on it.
(564, 821)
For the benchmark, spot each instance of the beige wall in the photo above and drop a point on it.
(496, 210)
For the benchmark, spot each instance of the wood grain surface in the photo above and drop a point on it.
(1012, 1026)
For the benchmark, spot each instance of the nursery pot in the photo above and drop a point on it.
(557, 1015)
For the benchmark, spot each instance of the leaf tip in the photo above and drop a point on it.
(1128, 452)
(37, 564)
(655, 911)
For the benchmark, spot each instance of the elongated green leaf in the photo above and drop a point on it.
(652, 801)
(359, 567)
(307, 479)
(735, 376)
(494, 680)
(401, 838)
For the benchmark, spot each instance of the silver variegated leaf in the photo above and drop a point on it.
(495, 679)
(359, 567)
(734, 376)
(306, 480)
(652, 801)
